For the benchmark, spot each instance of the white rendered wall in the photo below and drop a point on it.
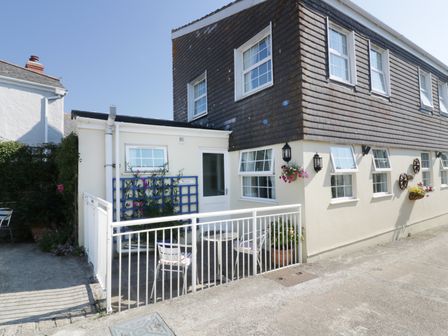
(22, 114)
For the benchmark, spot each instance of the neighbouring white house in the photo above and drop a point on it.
(31, 104)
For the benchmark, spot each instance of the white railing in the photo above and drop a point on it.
(163, 258)
(97, 239)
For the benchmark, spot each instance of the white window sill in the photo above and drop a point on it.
(259, 200)
(382, 195)
(445, 114)
(250, 93)
(338, 80)
(198, 116)
(426, 109)
(343, 201)
(444, 187)
(380, 94)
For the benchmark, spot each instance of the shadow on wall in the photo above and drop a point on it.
(405, 211)
(35, 136)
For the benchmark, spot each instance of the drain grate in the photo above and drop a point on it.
(152, 325)
(289, 277)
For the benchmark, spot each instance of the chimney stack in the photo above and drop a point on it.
(34, 65)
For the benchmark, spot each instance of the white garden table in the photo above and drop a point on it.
(218, 238)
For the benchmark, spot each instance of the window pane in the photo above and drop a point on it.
(381, 159)
(341, 186)
(343, 158)
(380, 184)
(257, 53)
(257, 77)
(443, 95)
(378, 81)
(339, 67)
(146, 158)
(425, 89)
(444, 177)
(376, 60)
(213, 174)
(338, 42)
(258, 187)
(200, 106)
(444, 160)
(200, 89)
(256, 161)
(426, 178)
(425, 160)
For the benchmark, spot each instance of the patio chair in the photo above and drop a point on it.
(245, 245)
(5, 219)
(173, 260)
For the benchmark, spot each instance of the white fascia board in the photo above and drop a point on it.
(28, 84)
(225, 13)
(368, 20)
(96, 124)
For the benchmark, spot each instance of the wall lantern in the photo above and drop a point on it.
(438, 154)
(365, 150)
(286, 153)
(317, 163)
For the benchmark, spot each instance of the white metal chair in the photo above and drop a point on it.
(5, 219)
(173, 260)
(245, 245)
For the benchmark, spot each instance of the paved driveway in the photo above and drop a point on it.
(397, 289)
(39, 291)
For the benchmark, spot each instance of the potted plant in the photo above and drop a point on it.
(285, 240)
(417, 192)
(292, 172)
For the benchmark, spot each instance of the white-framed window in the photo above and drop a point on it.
(344, 165)
(257, 174)
(254, 64)
(425, 79)
(443, 97)
(426, 166)
(145, 158)
(379, 70)
(341, 54)
(380, 176)
(444, 169)
(197, 97)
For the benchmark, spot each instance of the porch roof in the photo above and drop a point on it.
(139, 120)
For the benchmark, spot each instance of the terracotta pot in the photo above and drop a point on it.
(282, 257)
(38, 232)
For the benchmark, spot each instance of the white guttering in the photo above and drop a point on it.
(368, 20)
(232, 9)
(108, 165)
(34, 85)
(117, 172)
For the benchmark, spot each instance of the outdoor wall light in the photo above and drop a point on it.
(365, 150)
(317, 163)
(286, 153)
(438, 154)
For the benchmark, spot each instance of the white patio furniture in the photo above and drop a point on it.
(218, 238)
(245, 245)
(5, 219)
(173, 260)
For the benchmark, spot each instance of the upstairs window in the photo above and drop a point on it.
(379, 70)
(197, 97)
(444, 169)
(341, 54)
(257, 174)
(425, 90)
(145, 158)
(253, 65)
(443, 97)
(426, 165)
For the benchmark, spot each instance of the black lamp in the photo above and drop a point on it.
(317, 163)
(286, 153)
(438, 154)
(365, 149)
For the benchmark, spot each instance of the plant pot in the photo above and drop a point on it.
(415, 196)
(282, 257)
(38, 231)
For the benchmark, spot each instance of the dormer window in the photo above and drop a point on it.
(443, 97)
(425, 90)
(253, 65)
(197, 97)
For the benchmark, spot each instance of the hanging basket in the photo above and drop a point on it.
(415, 196)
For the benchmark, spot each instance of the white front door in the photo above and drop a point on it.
(213, 185)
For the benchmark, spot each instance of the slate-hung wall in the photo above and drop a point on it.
(267, 117)
(338, 113)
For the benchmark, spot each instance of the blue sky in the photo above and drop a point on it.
(119, 52)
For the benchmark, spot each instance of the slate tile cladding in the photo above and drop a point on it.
(303, 103)
(267, 117)
(335, 113)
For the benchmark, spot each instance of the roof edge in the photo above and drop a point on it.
(360, 15)
(218, 15)
(23, 68)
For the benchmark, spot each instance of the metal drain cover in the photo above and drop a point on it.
(151, 325)
(289, 277)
